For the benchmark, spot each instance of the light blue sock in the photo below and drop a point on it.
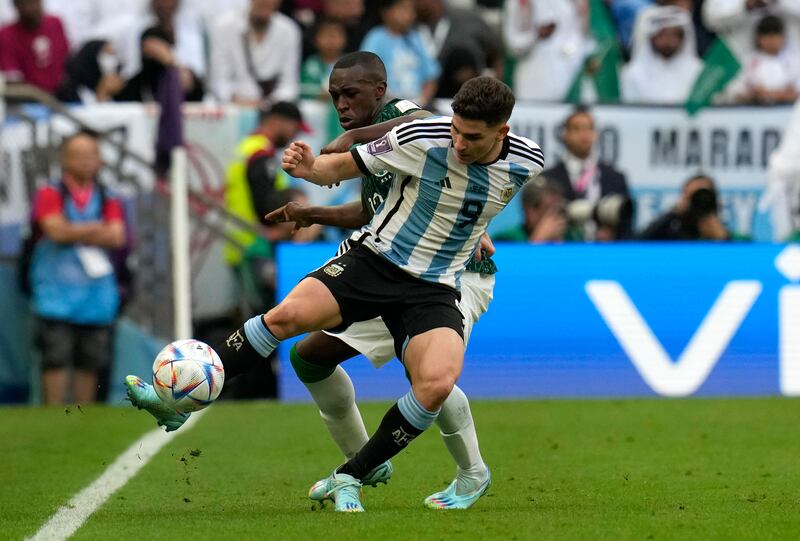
(259, 336)
(412, 410)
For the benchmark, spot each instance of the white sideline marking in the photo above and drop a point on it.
(80, 507)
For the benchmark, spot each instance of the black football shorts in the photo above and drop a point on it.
(367, 286)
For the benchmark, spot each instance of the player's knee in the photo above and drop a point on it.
(308, 370)
(432, 392)
(283, 320)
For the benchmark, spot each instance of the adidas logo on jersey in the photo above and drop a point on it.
(445, 183)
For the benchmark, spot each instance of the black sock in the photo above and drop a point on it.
(237, 354)
(392, 436)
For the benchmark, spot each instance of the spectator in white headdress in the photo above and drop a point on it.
(664, 63)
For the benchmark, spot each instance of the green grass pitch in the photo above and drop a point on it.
(624, 469)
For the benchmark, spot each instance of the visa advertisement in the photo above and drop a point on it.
(613, 320)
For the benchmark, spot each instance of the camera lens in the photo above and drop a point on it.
(703, 203)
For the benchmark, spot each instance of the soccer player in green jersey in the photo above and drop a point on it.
(358, 89)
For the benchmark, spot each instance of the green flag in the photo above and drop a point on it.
(720, 65)
(602, 66)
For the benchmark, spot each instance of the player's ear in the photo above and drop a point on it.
(380, 89)
(502, 132)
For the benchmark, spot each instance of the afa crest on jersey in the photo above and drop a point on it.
(334, 270)
(507, 192)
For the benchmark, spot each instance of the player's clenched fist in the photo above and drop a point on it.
(298, 160)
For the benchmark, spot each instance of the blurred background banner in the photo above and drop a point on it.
(212, 135)
(657, 148)
(614, 320)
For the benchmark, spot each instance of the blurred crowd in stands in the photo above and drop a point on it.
(257, 53)
(268, 54)
(248, 51)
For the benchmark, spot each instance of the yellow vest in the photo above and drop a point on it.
(239, 200)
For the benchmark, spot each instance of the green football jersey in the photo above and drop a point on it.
(375, 188)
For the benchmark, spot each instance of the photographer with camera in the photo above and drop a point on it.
(549, 217)
(596, 192)
(694, 217)
(544, 215)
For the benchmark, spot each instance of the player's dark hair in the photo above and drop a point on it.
(484, 98)
(370, 62)
(769, 25)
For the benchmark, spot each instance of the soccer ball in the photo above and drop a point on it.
(188, 375)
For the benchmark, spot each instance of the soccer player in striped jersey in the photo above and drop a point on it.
(357, 87)
(453, 176)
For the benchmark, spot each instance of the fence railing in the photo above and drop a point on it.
(151, 303)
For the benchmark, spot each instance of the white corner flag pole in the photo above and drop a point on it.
(179, 228)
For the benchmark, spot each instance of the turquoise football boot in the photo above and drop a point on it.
(380, 474)
(343, 489)
(450, 499)
(142, 395)
(319, 491)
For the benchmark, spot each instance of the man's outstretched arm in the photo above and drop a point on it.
(349, 216)
(366, 134)
(300, 162)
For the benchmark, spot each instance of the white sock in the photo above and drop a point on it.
(458, 432)
(336, 399)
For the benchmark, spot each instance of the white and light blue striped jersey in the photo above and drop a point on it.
(437, 208)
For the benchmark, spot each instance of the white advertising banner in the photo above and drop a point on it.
(658, 148)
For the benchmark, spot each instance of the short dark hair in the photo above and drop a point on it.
(386, 4)
(769, 25)
(534, 191)
(700, 176)
(579, 109)
(484, 98)
(327, 20)
(369, 62)
(286, 109)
